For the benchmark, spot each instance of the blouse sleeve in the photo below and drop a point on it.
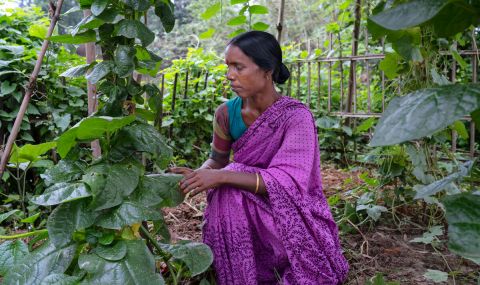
(222, 141)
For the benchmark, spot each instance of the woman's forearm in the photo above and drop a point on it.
(213, 164)
(245, 181)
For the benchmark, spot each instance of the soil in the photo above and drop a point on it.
(381, 248)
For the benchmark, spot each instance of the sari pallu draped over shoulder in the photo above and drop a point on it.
(287, 236)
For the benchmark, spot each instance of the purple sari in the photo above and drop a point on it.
(287, 236)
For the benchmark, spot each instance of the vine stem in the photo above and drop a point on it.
(165, 255)
(27, 234)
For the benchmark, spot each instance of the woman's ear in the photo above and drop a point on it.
(268, 75)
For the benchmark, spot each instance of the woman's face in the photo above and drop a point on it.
(246, 78)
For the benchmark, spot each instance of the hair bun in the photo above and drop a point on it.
(283, 74)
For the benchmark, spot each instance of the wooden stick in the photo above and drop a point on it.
(92, 89)
(29, 91)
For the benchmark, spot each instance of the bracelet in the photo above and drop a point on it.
(258, 183)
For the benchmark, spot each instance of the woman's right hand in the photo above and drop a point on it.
(180, 170)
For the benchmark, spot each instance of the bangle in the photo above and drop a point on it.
(258, 183)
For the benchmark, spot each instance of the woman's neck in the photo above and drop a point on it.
(261, 101)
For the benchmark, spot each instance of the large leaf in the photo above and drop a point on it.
(63, 171)
(197, 256)
(44, 261)
(99, 71)
(112, 253)
(463, 216)
(138, 5)
(258, 9)
(127, 214)
(134, 29)
(158, 190)
(60, 279)
(441, 184)
(120, 181)
(6, 215)
(124, 64)
(89, 129)
(11, 252)
(447, 17)
(76, 71)
(164, 9)
(81, 38)
(60, 193)
(67, 218)
(143, 138)
(30, 153)
(425, 112)
(138, 267)
(98, 6)
(211, 11)
(239, 20)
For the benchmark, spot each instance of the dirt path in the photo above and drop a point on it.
(384, 248)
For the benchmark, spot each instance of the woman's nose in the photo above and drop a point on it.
(230, 75)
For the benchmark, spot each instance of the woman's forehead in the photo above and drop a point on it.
(235, 54)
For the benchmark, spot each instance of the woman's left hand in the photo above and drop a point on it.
(200, 180)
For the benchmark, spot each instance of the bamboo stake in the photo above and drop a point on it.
(29, 91)
(280, 21)
(92, 89)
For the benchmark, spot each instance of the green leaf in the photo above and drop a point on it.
(81, 38)
(64, 171)
(425, 112)
(430, 236)
(447, 17)
(99, 71)
(11, 252)
(138, 5)
(15, 50)
(408, 14)
(238, 20)
(463, 217)
(38, 31)
(7, 87)
(44, 261)
(389, 65)
(164, 9)
(76, 71)
(233, 2)
(60, 279)
(365, 125)
(127, 213)
(458, 58)
(211, 11)
(60, 193)
(121, 180)
(260, 26)
(236, 33)
(197, 256)
(112, 253)
(98, 6)
(124, 64)
(258, 9)
(207, 34)
(90, 129)
(31, 219)
(436, 276)
(407, 43)
(141, 137)
(158, 189)
(30, 153)
(138, 267)
(134, 29)
(66, 219)
(439, 79)
(461, 130)
(6, 215)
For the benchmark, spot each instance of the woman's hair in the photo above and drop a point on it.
(265, 51)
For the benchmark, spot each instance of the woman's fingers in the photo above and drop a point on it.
(192, 186)
(180, 170)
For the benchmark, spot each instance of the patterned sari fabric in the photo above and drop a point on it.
(287, 236)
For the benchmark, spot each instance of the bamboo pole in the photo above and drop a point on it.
(280, 21)
(29, 91)
(92, 89)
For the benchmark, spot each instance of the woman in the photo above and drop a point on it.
(267, 220)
